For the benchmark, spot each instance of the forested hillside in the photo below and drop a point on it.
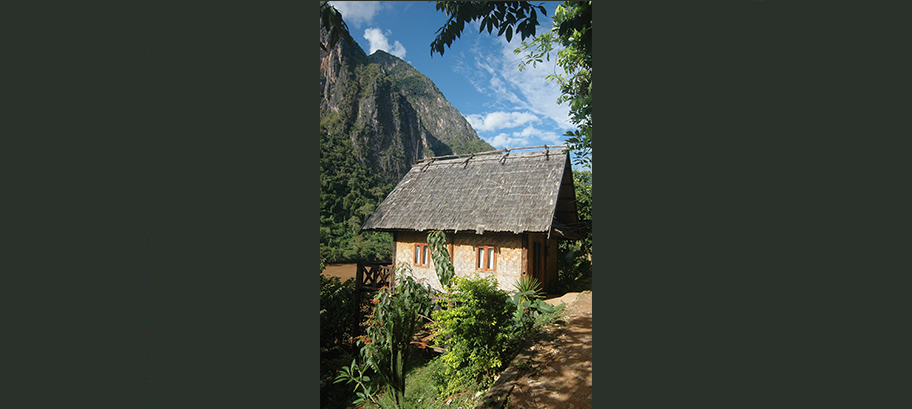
(349, 193)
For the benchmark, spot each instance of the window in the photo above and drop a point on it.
(421, 255)
(485, 258)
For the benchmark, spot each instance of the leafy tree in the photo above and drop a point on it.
(582, 181)
(575, 261)
(349, 193)
(507, 17)
(572, 30)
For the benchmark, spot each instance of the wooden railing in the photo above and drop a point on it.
(372, 276)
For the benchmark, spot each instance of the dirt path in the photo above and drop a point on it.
(555, 372)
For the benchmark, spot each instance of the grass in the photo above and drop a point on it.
(421, 390)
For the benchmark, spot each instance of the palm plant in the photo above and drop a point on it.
(528, 288)
(528, 296)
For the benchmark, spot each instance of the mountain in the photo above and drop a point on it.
(392, 114)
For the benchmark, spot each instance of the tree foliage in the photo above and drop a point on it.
(336, 307)
(575, 261)
(349, 193)
(337, 336)
(571, 30)
(508, 17)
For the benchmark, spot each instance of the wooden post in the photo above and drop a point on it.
(391, 278)
(359, 279)
(525, 253)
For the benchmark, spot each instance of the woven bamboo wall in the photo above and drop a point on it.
(405, 254)
(508, 266)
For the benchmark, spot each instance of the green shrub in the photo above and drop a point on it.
(475, 327)
(336, 311)
(337, 346)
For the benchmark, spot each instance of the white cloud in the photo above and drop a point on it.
(379, 41)
(549, 137)
(503, 141)
(355, 13)
(499, 120)
(515, 90)
(529, 136)
(540, 95)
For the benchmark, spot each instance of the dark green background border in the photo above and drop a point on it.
(744, 265)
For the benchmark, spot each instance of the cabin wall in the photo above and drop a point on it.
(405, 254)
(508, 264)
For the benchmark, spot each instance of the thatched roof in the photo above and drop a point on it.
(503, 191)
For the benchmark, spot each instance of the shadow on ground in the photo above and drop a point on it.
(555, 372)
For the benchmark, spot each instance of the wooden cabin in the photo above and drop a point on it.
(502, 211)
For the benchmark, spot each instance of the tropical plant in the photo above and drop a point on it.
(528, 288)
(529, 303)
(337, 336)
(573, 267)
(441, 256)
(385, 346)
(357, 374)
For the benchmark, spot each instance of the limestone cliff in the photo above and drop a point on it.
(393, 114)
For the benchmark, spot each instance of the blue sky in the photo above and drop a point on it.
(478, 74)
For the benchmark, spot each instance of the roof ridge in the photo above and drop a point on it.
(546, 148)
